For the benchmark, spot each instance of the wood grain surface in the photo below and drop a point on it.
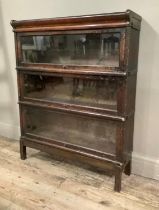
(40, 182)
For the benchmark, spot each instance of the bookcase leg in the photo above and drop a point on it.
(118, 176)
(22, 151)
(127, 169)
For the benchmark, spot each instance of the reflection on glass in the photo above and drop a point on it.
(88, 132)
(72, 49)
(87, 92)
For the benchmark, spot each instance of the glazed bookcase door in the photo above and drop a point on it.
(80, 131)
(84, 49)
(93, 92)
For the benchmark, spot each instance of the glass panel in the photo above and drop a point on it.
(98, 134)
(86, 92)
(72, 49)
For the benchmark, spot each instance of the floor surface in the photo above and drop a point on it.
(40, 182)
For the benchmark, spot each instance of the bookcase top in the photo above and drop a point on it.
(94, 21)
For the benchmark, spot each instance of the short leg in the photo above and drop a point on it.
(127, 169)
(22, 151)
(118, 175)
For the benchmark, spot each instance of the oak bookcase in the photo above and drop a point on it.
(76, 85)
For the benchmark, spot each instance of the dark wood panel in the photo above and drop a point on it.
(71, 146)
(80, 111)
(111, 20)
(105, 71)
(107, 163)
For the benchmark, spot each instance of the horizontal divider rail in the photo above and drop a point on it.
(81, 112)
(71, 146)
(107, 71)
(26, 139)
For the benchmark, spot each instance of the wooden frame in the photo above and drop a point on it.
(128, 25)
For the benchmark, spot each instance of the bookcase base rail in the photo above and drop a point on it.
(93, 162)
